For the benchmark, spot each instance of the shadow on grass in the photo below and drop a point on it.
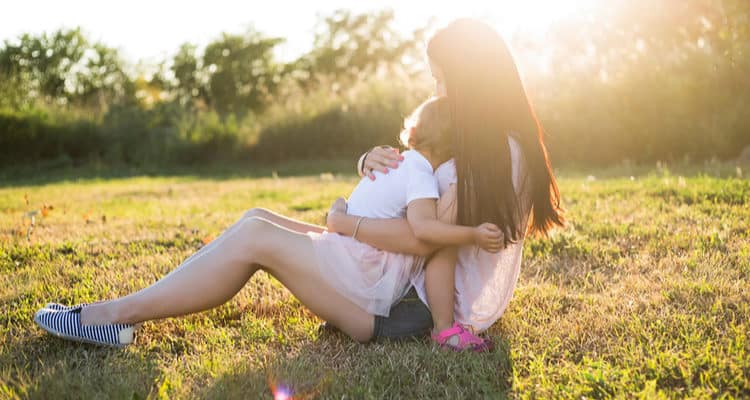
(40, 174)
(335, 367)
(34, 175)
(52, 368)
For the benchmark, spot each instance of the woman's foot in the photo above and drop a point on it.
(93, 314)
(458, 338)
(99, 313)
(66, 323)
(58, 306)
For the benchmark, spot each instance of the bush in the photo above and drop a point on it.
(34, 135)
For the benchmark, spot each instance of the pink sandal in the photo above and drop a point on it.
(466, 340)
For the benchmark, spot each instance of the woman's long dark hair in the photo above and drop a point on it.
(488, 103)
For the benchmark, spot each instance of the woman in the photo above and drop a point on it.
(500, 173)
(280, 246)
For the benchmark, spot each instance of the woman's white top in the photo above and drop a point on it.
(484, 281)
(390, 194)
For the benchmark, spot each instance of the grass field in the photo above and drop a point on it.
(645, 294)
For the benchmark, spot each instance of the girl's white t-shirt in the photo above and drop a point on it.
(390, 194)
(484, 281)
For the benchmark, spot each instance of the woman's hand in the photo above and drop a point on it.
(488, 237)
(337, 209)
(380, 158)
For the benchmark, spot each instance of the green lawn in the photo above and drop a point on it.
(645, 294)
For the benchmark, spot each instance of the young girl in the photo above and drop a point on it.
(410, 191)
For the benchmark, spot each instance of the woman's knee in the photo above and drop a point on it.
(256, 212)
(263, 240)
(255, 232)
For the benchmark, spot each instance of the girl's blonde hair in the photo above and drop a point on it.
(429, 128)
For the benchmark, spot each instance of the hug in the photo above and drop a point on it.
(429, 242)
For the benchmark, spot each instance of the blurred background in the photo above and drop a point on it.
(613, 82)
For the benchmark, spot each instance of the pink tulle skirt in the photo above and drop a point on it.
(371, 278)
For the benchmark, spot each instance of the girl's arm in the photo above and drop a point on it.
(422, 216)
(394, 235)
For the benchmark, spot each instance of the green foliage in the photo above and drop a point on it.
(325, 126)
(36, 135)
(646, 81)
(635, 82)
(62, 68)
(352, 47)
(242, 73)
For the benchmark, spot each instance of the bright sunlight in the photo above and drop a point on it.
(535, 16)
(188, 190)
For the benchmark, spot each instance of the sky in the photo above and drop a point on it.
(151, 31)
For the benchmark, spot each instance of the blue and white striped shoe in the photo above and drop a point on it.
(58, 306)
(66, 324)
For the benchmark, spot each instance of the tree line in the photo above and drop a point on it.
(640, 81)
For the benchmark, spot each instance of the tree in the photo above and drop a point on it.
(349, 46)
(242, 74)
(188, 72)
(63, 68)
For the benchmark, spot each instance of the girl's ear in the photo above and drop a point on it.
(412, 139)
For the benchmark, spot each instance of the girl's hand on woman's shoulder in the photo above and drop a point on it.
(380, 158)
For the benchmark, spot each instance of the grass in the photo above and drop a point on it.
(645, 294)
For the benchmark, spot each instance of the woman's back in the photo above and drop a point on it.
(485, 281)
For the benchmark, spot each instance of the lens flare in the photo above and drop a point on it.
(279, 391)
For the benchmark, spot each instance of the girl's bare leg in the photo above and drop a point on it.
(440, 286)
(212, 278)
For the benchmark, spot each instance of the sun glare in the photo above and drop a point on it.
(534, 16)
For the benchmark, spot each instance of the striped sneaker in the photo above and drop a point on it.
(66, 324)
(58, 306)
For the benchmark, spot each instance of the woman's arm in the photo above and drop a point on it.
(394, 235)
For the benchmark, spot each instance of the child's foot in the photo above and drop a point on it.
(66, 323)
(458, 338)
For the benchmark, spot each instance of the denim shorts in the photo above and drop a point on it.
(407, 318)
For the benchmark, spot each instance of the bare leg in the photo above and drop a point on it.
(440, 286)
(100, 314)
(286, 222)
(213, 278)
